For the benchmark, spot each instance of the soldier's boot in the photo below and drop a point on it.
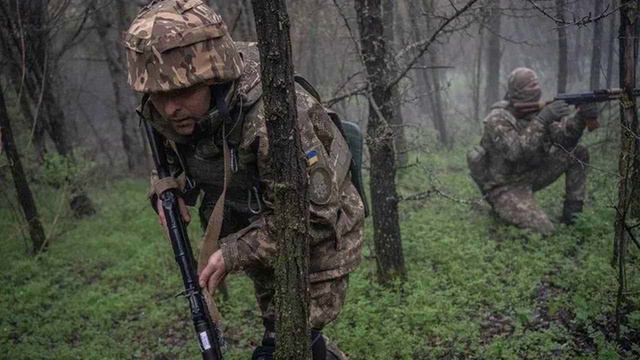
(570, 211)
(333, 352)
(319, 348)
(266, 351)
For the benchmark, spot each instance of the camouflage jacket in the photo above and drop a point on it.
(511, 149)
(336, 210)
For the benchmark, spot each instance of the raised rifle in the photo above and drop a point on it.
(206, 329)
(579, 99)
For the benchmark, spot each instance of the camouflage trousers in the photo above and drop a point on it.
(515, 203)
(326, 297)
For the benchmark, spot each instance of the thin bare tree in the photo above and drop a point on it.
(384, 197)
(291, 203)
(25, 197)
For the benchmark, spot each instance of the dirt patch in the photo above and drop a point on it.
(495, 325)
(543, 315)
(583, 341)
(629, 339)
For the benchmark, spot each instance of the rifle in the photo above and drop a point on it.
(206, 329)
(595, 96)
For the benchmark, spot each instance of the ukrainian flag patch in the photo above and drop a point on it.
(312, 157)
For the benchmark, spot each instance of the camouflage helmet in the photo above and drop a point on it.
(175, 44)
(523, 86)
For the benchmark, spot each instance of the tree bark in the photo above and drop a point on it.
(629, 159)
(494, 55)
(291, 204)
(596, 51)
(25, 197)
(562, 48)
(386, 227)
(397, 122)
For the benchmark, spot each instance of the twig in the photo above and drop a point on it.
(344, 83)
(577, 22)
(435, 191)
(584, 164)
(52, 227)
(16, 213)
(359, 91)
(424, 45)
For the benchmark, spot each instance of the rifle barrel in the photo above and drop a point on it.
(601, 95)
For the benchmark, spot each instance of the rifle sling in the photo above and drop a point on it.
(212, 232)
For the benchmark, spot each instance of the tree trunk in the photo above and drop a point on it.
(596, 52)
(133, 149)
(611, 48)
(386, 227)
(239, 18)
(26, 44)
(494, 55)
(312, 63)
(17, 40)
(562, 48)
(435, 90)
(25, 197)
(396, 121)
(433, 86)
(629, 159)
(291, 204)
(421, 74)
(477, 78)
(37, 130)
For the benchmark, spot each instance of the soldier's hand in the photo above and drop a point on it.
(184, 212)
(553, 112)
(588, 111)
(213, 273)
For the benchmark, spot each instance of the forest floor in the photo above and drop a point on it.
(476, 288)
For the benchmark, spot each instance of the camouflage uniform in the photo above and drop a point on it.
(336, 210)
(519, 155)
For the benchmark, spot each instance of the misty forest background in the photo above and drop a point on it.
(92, 277)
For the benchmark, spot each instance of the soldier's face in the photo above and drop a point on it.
(183, 107)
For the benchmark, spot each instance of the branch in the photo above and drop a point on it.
(424, 45)
(435, 191)
(359, 91)
(577, 22)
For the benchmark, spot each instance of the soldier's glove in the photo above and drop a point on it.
(553, 112)
(588, 111)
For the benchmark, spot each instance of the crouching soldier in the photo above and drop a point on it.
(202, 92)
(523, 151)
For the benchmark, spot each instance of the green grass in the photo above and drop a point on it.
(476, 288)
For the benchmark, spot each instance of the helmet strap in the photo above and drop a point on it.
(231, 130)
